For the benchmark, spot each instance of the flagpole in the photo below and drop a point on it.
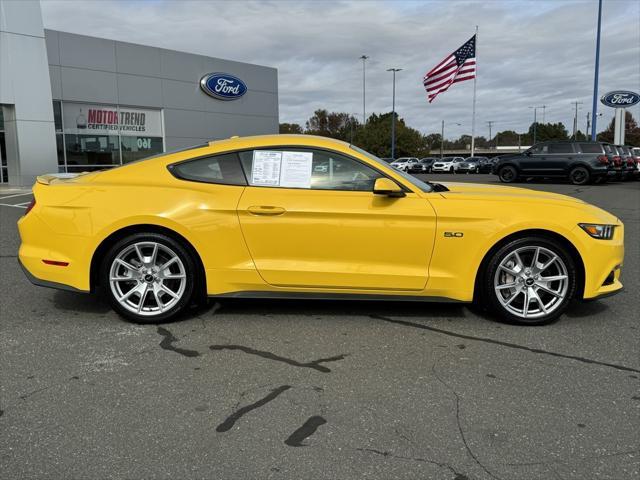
(473, 116)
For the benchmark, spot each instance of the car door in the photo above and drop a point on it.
(534, 161)
(560, 156)
(330, 231)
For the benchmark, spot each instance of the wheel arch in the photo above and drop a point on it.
(564, 241)
(111, 239)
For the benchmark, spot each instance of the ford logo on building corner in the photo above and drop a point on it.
(620, 99)
(223, 86)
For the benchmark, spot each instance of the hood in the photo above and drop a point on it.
(474, 191)
(500, 192)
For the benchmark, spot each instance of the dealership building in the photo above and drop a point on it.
(72, 103)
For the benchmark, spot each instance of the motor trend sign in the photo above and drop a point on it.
(620, 99)
(86, 119)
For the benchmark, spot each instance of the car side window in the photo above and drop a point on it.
(538, 149)
(560, 148)
(222, 169)
(590, 147)
(329, 170)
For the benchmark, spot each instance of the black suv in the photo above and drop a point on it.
(580, 162)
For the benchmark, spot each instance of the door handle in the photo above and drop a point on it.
(266, 210)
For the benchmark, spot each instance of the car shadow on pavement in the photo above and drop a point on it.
(341, 307)
(81, 302)
(579, 309)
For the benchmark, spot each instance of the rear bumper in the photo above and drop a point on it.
(46, 283)
(42, 240)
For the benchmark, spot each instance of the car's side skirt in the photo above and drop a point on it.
(334, 296)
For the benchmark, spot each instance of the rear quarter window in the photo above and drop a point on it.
(590, 147)
(560, 148)
(222, 169)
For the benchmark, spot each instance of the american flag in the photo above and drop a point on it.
(457, 67)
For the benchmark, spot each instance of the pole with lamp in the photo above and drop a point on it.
(393, 114)
(364, 84)
(594, 110)
(535, 123)
(442, 136)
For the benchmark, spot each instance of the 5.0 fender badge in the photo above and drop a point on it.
(453, 234)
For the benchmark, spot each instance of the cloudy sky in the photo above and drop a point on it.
(533, 52)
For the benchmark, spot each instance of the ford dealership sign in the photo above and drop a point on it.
(620, 99)
(223, 86)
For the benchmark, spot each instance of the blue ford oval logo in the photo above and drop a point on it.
(620, 99)
(223, 86)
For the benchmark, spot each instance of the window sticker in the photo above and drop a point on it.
(266, 168)
(296, 169)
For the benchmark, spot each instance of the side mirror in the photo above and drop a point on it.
(387, 187)
(527, 153)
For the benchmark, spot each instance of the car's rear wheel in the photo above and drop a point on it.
(579, 176)
(148, 277)
(529, 281)
(508, 174)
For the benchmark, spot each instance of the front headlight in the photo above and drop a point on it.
(601, 232)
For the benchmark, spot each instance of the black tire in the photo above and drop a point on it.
(451, 170)
(488, 296)
(164, 242)
(579, 175)
(508, 174)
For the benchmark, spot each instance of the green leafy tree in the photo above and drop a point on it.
(375, 137)
(332, 124)
(290, 128)
(549, 131)
(631, 134)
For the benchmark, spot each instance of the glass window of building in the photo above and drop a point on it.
(101, 136)
(135, 148)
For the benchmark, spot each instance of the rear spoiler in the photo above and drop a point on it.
(51, 177)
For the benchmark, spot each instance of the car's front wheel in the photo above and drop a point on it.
(508, 174)
(579, 176)
(529, 281)
(148, 277)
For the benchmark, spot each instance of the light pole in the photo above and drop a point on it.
(364, 113)
(490, 122)
(575, 120)
(544, 108)
(442, 136)
(594, 116)
(535, 123)
(393, 114)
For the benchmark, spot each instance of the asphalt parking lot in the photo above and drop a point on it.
(293, 389)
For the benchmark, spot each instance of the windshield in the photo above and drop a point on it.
(425, 187)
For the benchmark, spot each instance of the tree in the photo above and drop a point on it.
(549, 131)
(290, 128)
(375, 137)
(335, 125)
(631, 134)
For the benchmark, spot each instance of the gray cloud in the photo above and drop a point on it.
(529, 52)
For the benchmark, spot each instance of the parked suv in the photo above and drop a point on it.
(404, 163)
(447, 164)
(425, 164)
(580, 162)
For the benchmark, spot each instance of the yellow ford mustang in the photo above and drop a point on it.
(284, 216)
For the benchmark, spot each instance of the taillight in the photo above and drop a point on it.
(617, 160)
(603, 160)
(30, 206)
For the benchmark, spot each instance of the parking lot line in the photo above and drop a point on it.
(16, 195)
(14, 206)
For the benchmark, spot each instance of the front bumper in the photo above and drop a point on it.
(603, 260)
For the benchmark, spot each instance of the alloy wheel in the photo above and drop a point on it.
(147, 278)
(531, 282)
